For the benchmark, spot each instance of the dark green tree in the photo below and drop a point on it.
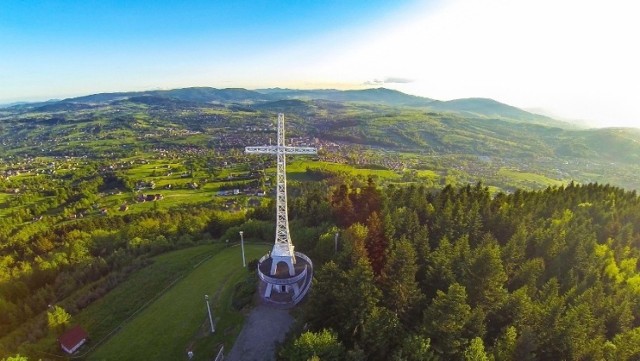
(446, 320)
(415, 348)
(58, 319)
(475, 351)
(324, 345)
(400, 288)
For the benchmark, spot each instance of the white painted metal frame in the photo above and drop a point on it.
(283, 248)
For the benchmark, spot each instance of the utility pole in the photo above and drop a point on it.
(335, 243)
(242, 246)
(206, 299)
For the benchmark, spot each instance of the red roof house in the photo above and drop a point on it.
(71, 340)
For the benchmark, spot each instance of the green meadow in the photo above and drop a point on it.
(177, 320)
(528, 180)
(296, 170)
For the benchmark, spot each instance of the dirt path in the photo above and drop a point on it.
(263, 328)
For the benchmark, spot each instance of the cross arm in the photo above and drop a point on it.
(267, 149)
(300, 150)
(272, 149)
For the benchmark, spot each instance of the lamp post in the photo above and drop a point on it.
(206, 299)
(242, 246)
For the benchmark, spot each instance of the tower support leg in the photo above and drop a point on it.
(286, 259)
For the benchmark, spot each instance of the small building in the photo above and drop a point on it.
(254, 202)
(71, 340)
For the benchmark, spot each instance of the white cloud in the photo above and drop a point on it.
(578, 59)
(389, 80)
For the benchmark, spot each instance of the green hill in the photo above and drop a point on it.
(491, 109)
(372, 118)
(379, 96)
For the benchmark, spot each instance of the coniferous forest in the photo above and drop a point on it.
(459, 274)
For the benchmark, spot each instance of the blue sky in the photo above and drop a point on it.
(572, 59)
(60, 48)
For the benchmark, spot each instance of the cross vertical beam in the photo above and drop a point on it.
(283, 247)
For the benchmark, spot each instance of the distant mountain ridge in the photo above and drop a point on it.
(195, 94)
(492, 109)
(481, 108)
(378, 95)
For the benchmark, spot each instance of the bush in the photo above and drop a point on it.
(243, 292)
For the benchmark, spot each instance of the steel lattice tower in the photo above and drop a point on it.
(282, 248)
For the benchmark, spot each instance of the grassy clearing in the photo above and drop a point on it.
(178, 319)
(296, 170)
(104, 316)
(107, 313)
(428, 174)
(171, 199)
(524, 179)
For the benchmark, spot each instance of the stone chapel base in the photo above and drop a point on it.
(284, 289)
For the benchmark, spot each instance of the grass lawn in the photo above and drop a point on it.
(178, 319)
(296, 170)
(5, 211)
(528, 180)
(428, 174)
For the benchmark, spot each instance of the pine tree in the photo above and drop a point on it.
(323, 345)
(376, 243)
(401, 292)
(487, 278)
(475, 351)
(354, 248)
(415, 348)
(505, 347)
(627, 345)
(381, 334)
(445, 322)
(438, 273)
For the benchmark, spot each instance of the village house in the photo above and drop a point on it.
(71, 340)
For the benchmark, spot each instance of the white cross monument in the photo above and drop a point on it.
(283, 248)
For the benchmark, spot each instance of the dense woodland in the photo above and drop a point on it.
(459, 274)
(420, 274)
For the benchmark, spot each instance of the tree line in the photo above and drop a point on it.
(74, 264)
(419, 273)
(461, 274)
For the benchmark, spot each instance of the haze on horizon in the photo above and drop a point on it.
(571, 59)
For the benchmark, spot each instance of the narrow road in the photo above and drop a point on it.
(263, 328)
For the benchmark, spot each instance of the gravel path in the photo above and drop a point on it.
(263, 328)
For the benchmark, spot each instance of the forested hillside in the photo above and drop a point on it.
(460, 275)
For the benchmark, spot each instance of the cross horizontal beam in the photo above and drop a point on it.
(274, 149)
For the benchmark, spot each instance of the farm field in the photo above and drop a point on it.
(178, 320)
(296, 170)
(530, 180)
